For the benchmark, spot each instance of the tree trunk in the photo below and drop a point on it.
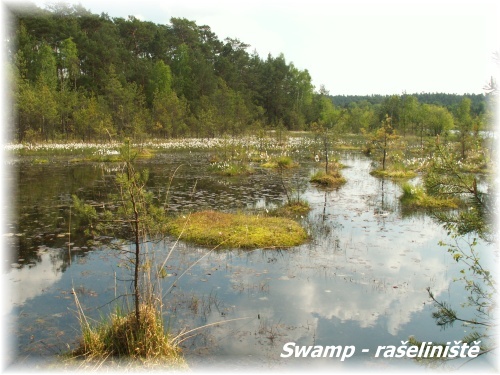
(137, 264)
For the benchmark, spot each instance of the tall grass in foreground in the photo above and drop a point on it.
(123, 337)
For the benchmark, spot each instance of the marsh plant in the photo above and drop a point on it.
(293, 187)
(138, 333)
(415, 196)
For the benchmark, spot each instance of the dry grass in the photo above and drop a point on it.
(212, 228)
(125, 343)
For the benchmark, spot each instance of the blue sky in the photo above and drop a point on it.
(352, 47)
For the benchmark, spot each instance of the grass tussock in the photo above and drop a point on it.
(283, 162)
(212, 228)
(233, 169)
(294, 209)
(416, 197)
(331, 179)
(393, 173)
(128, 341)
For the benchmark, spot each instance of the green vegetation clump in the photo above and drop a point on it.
(331, 179)
(293, 209)
(112, 158)
(125, 338)
(232, 169)
(350, 142)
(212, 228)
(282, 162)
(393, 173)
(416, 197)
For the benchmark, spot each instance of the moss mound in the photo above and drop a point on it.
(212, 228)
(331, 179)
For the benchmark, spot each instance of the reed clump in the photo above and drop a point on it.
(123, 338)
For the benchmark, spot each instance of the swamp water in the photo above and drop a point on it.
(361, 280)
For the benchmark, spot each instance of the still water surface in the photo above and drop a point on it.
(361, 280)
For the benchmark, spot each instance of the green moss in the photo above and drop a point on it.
(211, 228)
(331, 179)
(416, 197)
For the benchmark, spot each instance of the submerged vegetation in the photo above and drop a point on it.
(219, 229)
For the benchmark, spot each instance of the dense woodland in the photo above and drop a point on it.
(81, 76)
(449, 101)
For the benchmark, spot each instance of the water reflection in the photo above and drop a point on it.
(23, 283)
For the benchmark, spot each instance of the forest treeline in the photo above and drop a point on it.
(83, 76)
(449, 101)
